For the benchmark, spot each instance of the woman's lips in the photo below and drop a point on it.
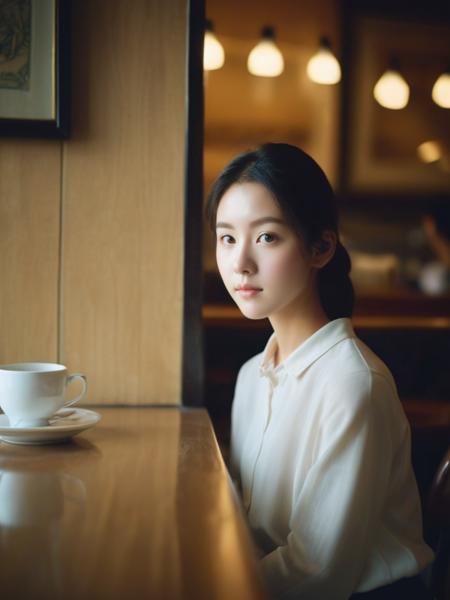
(248, 292)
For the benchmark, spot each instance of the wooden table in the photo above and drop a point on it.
(138, 507)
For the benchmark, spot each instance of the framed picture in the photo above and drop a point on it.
(383, 148)
(34, 68)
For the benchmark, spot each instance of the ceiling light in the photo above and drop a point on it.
(323, 67)
(391, 90)
(213, 52)
(441, 90)
(266, 60)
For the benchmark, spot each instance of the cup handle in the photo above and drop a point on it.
(71, 378)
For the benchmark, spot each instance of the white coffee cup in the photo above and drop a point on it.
(30, 393)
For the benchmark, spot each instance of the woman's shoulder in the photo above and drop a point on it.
(251, 367)
(353, 357)
(247, 382)
(361, 384)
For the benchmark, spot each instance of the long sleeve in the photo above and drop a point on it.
(336, 513)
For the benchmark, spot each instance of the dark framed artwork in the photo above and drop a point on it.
(380, 154)
(34, 68)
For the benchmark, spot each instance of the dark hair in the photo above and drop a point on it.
(308, 203)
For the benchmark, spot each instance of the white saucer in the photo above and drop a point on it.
(64, 424)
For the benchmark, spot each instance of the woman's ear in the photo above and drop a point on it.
(323, 250)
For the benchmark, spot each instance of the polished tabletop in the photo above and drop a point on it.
(139, 506)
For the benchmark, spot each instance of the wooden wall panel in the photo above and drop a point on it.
(29, 249)
(123, 201)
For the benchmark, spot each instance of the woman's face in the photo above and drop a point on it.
(264, 264)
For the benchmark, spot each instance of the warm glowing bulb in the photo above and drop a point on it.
(429, 152)
(266, 60)
(441, 91)
(213, 53)
(323, 67)
(391, 90)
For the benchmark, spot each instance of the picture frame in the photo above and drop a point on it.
(35, 68)
(380, 146)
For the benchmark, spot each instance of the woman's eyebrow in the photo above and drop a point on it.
(260, 221)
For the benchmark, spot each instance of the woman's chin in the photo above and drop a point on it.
(252, 312)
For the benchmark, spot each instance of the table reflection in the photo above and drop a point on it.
(32, 505)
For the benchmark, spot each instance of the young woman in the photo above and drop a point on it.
(320, 445)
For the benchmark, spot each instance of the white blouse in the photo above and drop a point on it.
(320, 447)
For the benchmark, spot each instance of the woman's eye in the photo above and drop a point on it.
(227, 239)
(267, 238)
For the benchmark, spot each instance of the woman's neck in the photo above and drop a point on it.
(294, 326)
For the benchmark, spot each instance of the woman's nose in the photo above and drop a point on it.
(243, 261)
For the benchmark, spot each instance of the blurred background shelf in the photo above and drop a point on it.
(223, 315)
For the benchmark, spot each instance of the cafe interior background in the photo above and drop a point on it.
(389, 166)
(100, 251)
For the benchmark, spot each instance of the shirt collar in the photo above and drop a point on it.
(308, 351)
